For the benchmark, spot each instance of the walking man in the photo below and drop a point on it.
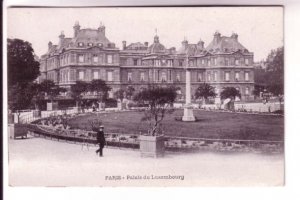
(100, 140)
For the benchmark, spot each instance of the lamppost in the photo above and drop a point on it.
(188, 115)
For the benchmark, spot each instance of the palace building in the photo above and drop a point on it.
(89, 55)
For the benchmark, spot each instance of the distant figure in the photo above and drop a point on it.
(100, 140)
(94, 107)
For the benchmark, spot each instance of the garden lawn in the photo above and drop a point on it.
(223, 125)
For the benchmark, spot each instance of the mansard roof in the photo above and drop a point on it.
(137, 46)
(85, 36)
(224, 44)
(90, 36)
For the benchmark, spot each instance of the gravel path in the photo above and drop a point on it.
(41, 162)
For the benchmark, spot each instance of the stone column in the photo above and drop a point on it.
(188, 115)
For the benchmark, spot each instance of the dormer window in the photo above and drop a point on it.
(90, 44)
(100, 45)
(80, 44)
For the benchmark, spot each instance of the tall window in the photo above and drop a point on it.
(95, 58)
(170, 63)
(156, 62)
(247, 91)
(129, 76)
(208, 76)
(246, 61)
(163, 77)
(135, 62)
(200, 78)
(95, 75)
(170, 75)
(208, 63)
(215, 61)
(81, 75)
(215, 76)
(109, 76)
(202, 61)
(237, 76)
(109, 59)
(80, 58)
(178, 77)
(227, 77)
(180, 63)
(142, 78)
(68, 75)
(237, 62)
(246, 76)
(226, 61)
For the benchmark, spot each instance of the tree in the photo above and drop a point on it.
(129, 92)
(271, 77)
(275, 69)
(22, 66)
(77, 91)
(120, 94)
(38, 95)
(160, 102)
(101, 88)
(204, 91)
(23, 69)
(230, 92)
(50, 90)
(20, 96)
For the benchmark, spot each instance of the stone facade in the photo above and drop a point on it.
(90, 55)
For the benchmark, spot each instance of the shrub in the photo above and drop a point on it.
(111, 103)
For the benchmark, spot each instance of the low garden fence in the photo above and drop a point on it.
(171, 143)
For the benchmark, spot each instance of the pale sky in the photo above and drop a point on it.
(260, 29)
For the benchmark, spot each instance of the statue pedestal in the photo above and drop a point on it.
(188, 115)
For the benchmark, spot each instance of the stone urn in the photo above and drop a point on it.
(152, 146)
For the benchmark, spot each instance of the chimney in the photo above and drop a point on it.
(124, 44)
(61, 37)
(235, 36)
(76, 28)
(217, 37)
(201, 44)
(185, 43)
(146, 44)
(49, 45)
(101, 28)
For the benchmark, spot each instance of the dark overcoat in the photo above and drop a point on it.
(100, 138)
